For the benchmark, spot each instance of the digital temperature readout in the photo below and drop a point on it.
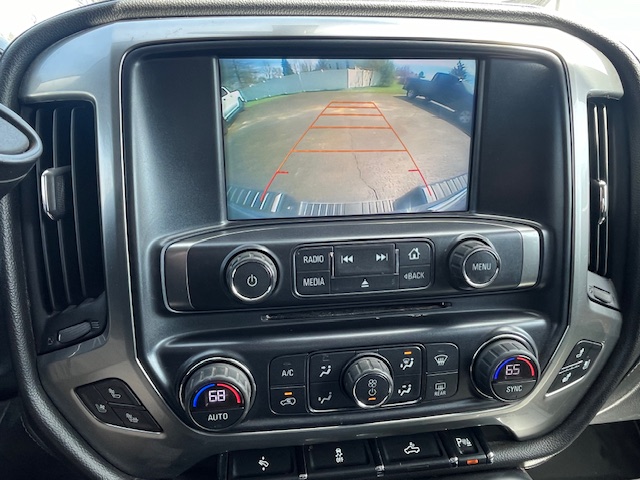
(515, 368)
(217, 396)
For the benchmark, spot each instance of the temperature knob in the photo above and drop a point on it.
(369, 381)
(506, 370)
(217, 395)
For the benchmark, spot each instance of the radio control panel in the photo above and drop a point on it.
(362, 268)
(277, 267)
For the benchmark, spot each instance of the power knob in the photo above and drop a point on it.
(251, 276)
(505, 369)
(368, 380)
(473, 264)
(217, 394)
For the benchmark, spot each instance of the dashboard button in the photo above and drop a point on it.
(473, 264)
(217, 420)
(414, 253)
(481, 267)
(410, 449)
(581, 351)
(251, 280)
(328, 396)
(442, 357)
(288, 401)
(415, 277)
(262, 463)
(364, 283)
(136, 418)
(365, 260)
(441, 386)
(513, 390)
(314, 259)
(313, 283)
(251, 276)
(97, 405)
(287, 370)
(338, 455)
(463, 445)
(116, 391)
(327, 367)
(368, 380)
(406, 389)
(403, 360)
(578, 364)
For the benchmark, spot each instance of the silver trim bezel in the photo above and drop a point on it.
(96, 75)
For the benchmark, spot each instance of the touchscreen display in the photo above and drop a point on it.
(331, 137)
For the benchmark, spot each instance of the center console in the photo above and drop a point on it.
(341, 231)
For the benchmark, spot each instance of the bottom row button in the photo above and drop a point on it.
(441, 386)
(464, 445)
(338, 455)
(328, 396)
(409, 448)
(262, 463)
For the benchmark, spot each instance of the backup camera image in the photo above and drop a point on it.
(331, 137)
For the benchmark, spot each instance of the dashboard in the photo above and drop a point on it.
(300, 244)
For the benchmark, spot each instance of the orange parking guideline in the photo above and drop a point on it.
(346, 151)
(364, 127)
(351, 115)
(348, 106)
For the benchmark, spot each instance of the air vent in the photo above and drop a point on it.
(599, 154)
(62, 218)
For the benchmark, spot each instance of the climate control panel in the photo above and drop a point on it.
(217, 393)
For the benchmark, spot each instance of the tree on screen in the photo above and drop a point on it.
(460, 71)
